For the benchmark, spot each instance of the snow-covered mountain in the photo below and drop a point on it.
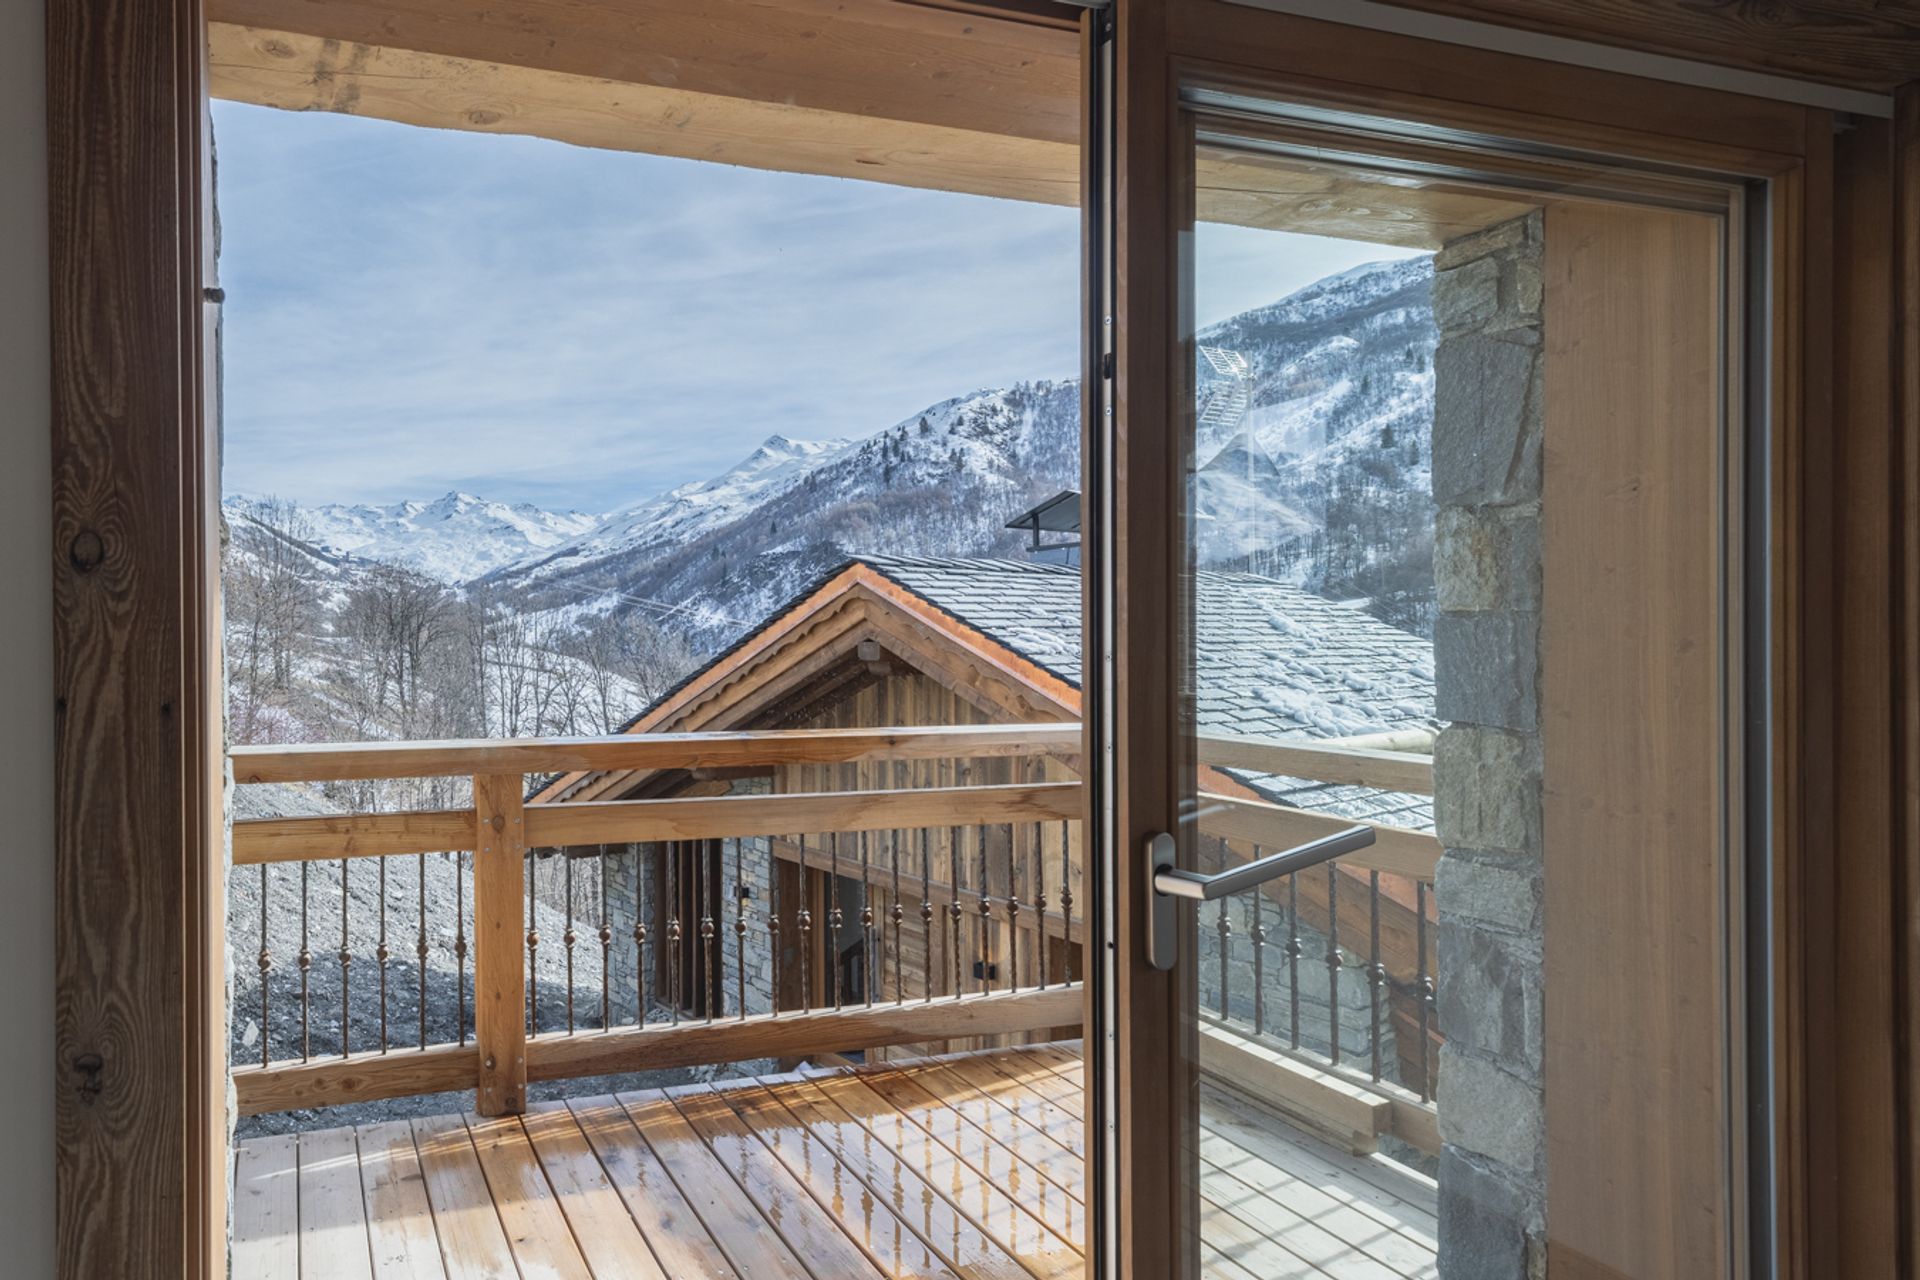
(454, 538)
(1313, 466)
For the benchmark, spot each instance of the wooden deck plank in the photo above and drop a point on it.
(1335, 1173)
(1042, 1251)
(680, 1240)
(1063, 1126)
(1251, 1247)
(819, 1242)
(1305, 1239)
(964, 1246)
(999, 1123)
(1400, 1252)
(266, 1208)
(400, 1231)
(867, 1215)
(473, 1245)
(606, 1233)
(922, 1169)
(736, 1225)
(537, 1230)
(1057, 1206)
(333, 1212)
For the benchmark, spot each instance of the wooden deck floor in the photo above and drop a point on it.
(962, 1166)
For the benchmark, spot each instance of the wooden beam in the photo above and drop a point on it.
(1866, 44)
(368, 1077)
(257, 840)
(1353, 766)
(1395, 850)
(726, 817)
(1327, 1105)
(297, 72)
(362, 1077)
(351, 835)
(360, 761)
(499, 953)
(792, 1035)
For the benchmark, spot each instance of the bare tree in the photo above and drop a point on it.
(272, 604)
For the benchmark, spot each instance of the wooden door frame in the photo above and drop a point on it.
(1843, 1174)
(139, 1032)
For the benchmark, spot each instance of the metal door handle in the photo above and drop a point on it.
(1170, 883)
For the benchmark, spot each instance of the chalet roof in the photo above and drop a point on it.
(1274, 661)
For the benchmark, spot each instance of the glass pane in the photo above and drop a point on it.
(1456, 577)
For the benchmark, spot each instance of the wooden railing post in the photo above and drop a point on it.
(499, 957)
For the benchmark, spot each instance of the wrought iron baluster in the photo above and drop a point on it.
(1426, 988)
(642, 877)
(1066, 894)
(1376, 971)
(954, 910)
(709, 990)
(533, 944)
(1223, 928)
(346, 969)
(898, 915)
(986, 916)
(773, 922)
(1045, 957)
(1294, 950)
(831, 969)
(1258, 934)
(266, 970)
(420, 949)
(926, 907)
(1333, 963)
(305, 961)
(803, 918)
(571, 936)
(675, 994)
(740, 926)
(381, 954)
(869, 959)
(605, 934)
(460, 940)
(1013, 908)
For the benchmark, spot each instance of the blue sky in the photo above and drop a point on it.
(411, 311)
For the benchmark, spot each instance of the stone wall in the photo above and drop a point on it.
(1487, 433)
(630, 892)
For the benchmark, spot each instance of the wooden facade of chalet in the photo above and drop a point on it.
(864, 650)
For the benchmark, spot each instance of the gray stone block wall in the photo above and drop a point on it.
(630, 893)
(1487, 437)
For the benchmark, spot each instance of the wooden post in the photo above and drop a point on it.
(499, 957)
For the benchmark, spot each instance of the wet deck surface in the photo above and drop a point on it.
(962, 1166)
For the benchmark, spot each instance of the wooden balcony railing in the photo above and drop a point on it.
(981, 870)
(607, 936)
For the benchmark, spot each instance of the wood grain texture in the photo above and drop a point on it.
(137, 1022)
(1864, 44)
(343, 762)
(499, 950)
(1632, 744)
(362, 1077)
(1353, 766)
(1906, 328)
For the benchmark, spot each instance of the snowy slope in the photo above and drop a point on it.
(453, 538)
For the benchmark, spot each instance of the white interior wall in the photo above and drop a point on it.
(26, 652)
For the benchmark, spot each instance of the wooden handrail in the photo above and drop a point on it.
(257, 840)
(1394, 850)
(364, 761)
(1321, 762)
